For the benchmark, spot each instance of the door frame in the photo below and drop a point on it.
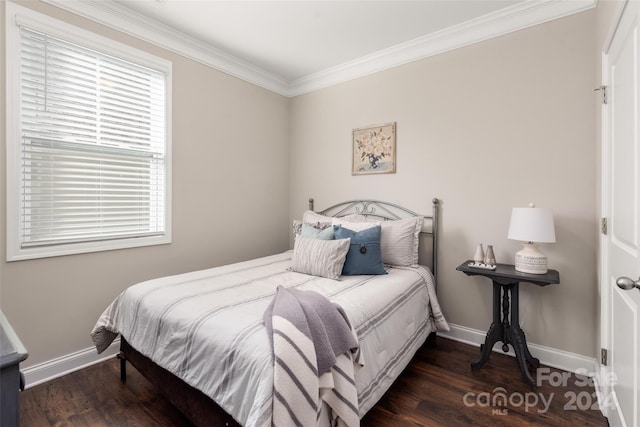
(603, 387)
(605, 376)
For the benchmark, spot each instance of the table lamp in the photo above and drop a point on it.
(531, 225)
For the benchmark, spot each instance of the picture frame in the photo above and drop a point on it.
(374, 149)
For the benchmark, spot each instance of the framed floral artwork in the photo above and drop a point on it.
(374, 149)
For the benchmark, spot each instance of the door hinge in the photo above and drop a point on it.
(603, 356)
(603, 91)
(603, 225)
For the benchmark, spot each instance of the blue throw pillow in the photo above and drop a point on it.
(316, 233)
(365, 255)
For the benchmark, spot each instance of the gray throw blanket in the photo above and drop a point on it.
(314, 352)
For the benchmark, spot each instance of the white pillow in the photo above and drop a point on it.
(354, 225)
(324, 258)
(360, 218)
(311, 217)
(399, 239)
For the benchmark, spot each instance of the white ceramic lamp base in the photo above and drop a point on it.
(531, 260)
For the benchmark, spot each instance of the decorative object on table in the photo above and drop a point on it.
(531, 225)
(489, 257)
(481, 265)
(479, 255)
(374, 149)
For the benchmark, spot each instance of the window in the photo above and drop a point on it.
(89, 147)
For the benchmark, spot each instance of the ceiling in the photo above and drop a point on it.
(294, 39)
(295, 46)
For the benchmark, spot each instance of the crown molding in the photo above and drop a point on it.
(120, 18)
(505, 21)
(508, 20)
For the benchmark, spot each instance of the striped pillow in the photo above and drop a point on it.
(400, 240)
(324, 258)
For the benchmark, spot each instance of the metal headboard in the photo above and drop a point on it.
(388, 212)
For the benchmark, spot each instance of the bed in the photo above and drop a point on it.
(201, 339)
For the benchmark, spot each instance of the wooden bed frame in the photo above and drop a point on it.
(198, 407)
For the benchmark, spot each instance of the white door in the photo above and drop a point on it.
(621, 205)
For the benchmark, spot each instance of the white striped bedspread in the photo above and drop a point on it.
(207, 328)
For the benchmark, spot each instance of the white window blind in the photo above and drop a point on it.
(92, 145)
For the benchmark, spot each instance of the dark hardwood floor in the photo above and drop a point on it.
(438, 388)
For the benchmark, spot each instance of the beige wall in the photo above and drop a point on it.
(484, 128)
(230, 202)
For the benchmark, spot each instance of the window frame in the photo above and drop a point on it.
(15, 16)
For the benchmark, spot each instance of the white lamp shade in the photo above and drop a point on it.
(532, 225)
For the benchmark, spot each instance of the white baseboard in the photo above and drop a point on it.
(548, 356)
(560, 359)
(55, 368)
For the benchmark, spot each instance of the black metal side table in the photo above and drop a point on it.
(505, 326)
